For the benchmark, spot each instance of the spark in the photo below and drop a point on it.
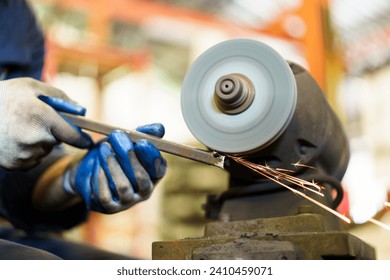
(280, 175)
(276, 175)
(378, 223)
(284, 170)
(299, 164)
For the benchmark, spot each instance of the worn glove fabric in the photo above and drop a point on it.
(117, 173)
(30, 125)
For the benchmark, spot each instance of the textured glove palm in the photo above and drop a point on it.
(30, 125)
(117, 173)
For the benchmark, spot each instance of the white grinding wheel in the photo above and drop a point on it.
(266, 117)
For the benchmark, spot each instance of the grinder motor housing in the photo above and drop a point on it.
(314, 138)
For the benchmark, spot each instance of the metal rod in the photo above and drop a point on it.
(210, 158)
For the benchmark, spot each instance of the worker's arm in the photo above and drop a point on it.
(114, 175)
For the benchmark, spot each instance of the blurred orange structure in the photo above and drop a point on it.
(305, 25)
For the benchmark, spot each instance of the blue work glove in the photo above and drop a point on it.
(30, 125)
(117, 173)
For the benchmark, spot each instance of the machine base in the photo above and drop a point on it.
(302, 236)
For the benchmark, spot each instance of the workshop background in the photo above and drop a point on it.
(125, 61)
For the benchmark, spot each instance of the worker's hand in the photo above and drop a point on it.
(30, 125)
(117, 173)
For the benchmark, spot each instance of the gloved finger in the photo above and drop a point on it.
(155, 129)
(32, 152)
(82, 183)
(105, 154)
(123, 188)
(105, 201)
(31, 155)
(144, 182)
(126, 195)
(124, 151)
(115, 192)
(65, 131)
(58, 100)
(23, 164)
(151, 159)
(63, 105)
(99, 195)
(27, 156)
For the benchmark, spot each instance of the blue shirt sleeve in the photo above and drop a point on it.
(16, 189)
(21, 41)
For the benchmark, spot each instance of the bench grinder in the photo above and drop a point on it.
(242, 99)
